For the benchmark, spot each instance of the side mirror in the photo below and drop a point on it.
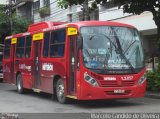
(79, 42)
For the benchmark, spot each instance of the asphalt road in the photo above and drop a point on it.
(12, 102)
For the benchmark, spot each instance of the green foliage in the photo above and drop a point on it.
(19, 24)
(63, 3)
(153, 81)
(87, 10)
(4, 27)
(66, 3)
(45, 11)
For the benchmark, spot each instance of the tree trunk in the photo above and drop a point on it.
(158, 34)
(86, 11)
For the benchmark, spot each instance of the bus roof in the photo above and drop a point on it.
(45, 26)
(100, 23)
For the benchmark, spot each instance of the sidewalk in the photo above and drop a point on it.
(151, 94)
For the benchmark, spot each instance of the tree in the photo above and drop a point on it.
(140, 6)
(129, 6)
(3, 23)
(19, 24)
(84, 3)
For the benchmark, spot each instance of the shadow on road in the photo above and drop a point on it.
(87, 104)
(1, 80)
(84, 104)
(44, 96)
(106, 103)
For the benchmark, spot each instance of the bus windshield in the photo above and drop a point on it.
(112, 48)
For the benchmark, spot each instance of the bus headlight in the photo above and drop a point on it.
(90, 80)
(142, 79)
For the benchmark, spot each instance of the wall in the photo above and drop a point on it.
(4, 1)
(57, 14)
(141, 22)
(25, 11)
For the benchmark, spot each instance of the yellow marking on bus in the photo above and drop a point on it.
(70, 96)
(72, 31)
(38, 36)
(14, 41)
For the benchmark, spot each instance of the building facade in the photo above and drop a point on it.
(4, 2)
(23, 8)
(48, 10)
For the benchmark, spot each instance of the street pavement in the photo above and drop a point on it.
(12, 102)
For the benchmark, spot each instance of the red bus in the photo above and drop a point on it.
(86, 60)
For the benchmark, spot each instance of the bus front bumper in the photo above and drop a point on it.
(94, 93)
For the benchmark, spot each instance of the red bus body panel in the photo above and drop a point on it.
(83, 90)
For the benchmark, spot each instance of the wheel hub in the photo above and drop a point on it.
(61, 90)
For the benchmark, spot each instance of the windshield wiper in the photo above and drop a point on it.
(88, 55)
(129, 46)
(121, 51)
(118, 49)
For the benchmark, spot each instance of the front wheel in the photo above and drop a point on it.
(20, 88)
(60, 91)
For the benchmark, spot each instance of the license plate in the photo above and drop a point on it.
(119, 91)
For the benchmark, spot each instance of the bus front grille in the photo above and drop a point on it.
(117, 83)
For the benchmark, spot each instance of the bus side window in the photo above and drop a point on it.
(28, 46)
(20, 47)
(61, 41)
(57, 43)
(52, 42)
(46, 44)
(7, 48)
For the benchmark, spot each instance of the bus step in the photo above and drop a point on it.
(36, 90)
(71, 96)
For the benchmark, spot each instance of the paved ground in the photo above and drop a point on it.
(12, 102)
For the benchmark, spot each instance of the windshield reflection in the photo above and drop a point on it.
(106, 47)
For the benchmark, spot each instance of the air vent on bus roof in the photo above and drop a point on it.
(43, 25)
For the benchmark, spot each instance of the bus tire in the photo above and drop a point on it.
(20, 88)
(60, 92)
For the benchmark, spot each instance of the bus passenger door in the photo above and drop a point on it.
(13, 64)
(36, 67)
(72, 64)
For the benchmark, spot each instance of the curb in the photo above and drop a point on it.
(153, 95)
